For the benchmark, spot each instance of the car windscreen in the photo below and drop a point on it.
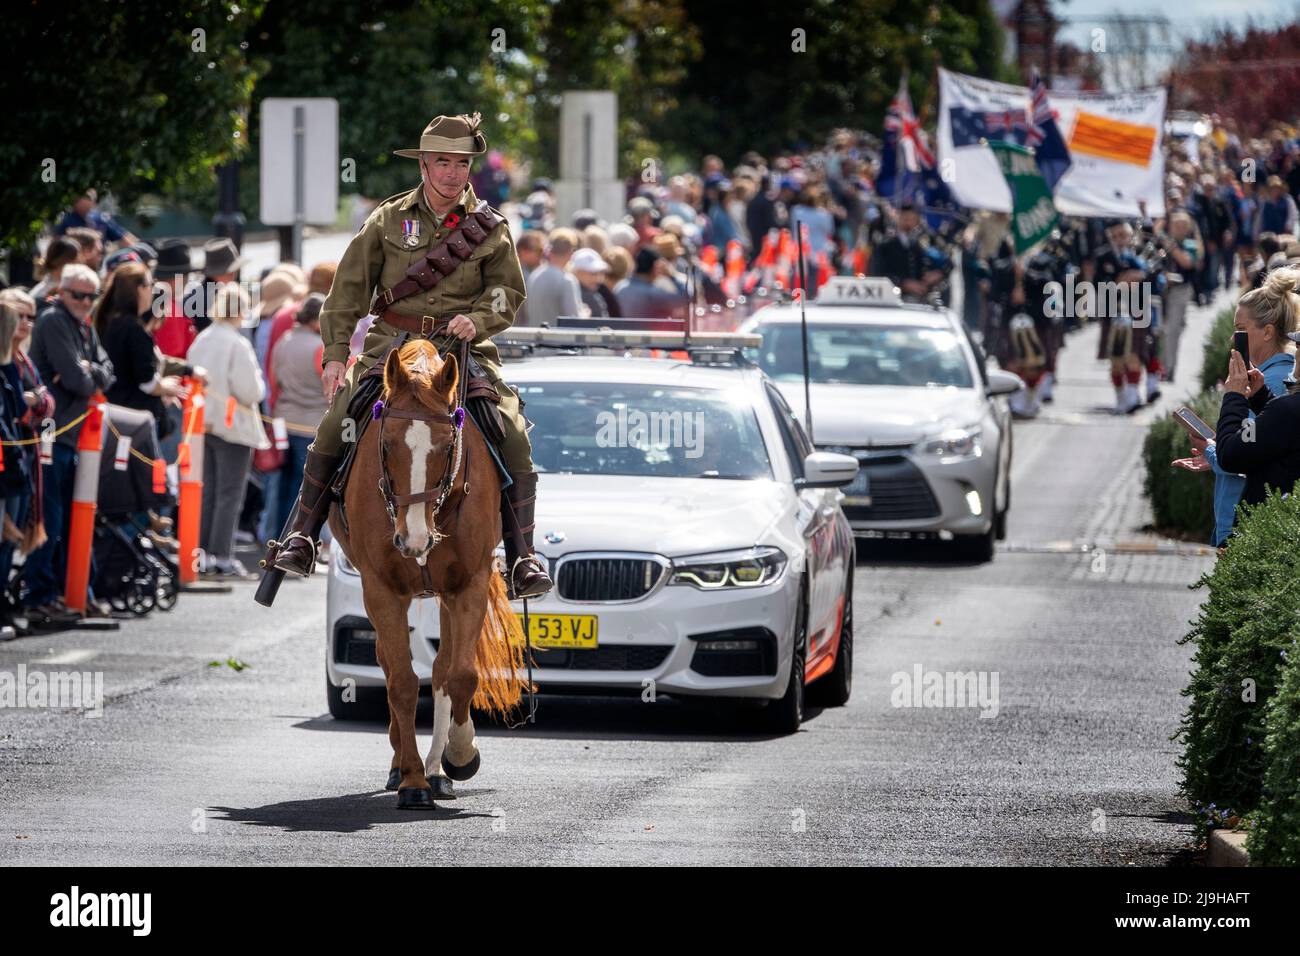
(590, 428)
(865, 355)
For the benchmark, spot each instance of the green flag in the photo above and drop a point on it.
(1033, 214)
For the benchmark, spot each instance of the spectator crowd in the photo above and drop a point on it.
(145, 326)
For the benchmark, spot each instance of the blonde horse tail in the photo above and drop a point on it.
(499, 655)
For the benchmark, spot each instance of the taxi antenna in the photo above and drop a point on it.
(803, 322)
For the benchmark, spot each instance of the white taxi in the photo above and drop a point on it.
(904, 390)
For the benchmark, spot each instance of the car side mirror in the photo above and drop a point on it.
(827, 469)
(1004, 383)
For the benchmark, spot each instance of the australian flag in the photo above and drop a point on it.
(907, 164)
(971, 126)
(1044, 136)
(903, 146)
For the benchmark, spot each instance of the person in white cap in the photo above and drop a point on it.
(589, 269)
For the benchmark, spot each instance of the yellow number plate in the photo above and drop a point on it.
(560, 630)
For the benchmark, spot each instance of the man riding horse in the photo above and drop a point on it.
(434, 261)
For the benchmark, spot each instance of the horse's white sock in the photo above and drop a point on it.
(441, 727)
(461, 746)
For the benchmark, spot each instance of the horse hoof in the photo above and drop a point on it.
(415, 798)
(442, 788)
(460, 773)
(394, 779)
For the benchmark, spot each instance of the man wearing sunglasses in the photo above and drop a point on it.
(67, 353)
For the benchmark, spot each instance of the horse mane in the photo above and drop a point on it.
(420, 364)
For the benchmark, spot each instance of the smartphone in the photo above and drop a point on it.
(1193, 423)
(1242, 345)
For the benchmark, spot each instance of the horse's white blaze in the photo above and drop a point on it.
(419, 439)
(441, 726)
(461, 746)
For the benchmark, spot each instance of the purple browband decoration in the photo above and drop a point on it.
(376, 410)
(458, 417)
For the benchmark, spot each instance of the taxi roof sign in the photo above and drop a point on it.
(859, 290)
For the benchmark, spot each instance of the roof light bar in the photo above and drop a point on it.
(624, 339)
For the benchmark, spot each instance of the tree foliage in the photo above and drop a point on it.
(395, 66)
(1249, 76)
(121, 96)
(116, 95)
(774, 74)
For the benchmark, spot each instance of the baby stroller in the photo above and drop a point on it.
(131, 572)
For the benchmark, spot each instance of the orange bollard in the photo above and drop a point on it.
(787, 253)
(735, 266)
(824, 271)
(85, 495)
(189, 510)
(860, 261)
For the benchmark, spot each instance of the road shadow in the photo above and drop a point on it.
(913, 552)
(346, 813)
(562, 717)
(1184, 824)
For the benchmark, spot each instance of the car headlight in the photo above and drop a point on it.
(748, 568)
(958, 443)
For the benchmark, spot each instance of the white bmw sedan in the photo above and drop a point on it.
(903, 389)
(695, 538)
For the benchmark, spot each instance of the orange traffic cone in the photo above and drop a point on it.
(85, 495)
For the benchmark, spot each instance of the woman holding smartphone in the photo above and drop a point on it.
(1247, 460)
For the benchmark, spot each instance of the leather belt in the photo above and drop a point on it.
(426, 325)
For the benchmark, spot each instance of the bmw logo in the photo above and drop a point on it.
(554, 537)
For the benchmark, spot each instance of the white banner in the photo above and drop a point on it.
(1114, 141)
(971, 170)
(1116, 153)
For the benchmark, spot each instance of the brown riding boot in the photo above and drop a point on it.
(296, 554)
(526, 573)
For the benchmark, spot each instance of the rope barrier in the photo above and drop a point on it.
(305, 430)
(54, 434)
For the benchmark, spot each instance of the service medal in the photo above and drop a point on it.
(410, 233)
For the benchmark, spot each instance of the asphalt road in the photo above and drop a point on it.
(1078, 617)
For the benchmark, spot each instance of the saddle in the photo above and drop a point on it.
(480, 399)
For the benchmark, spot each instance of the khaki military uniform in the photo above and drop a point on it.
(488, 288)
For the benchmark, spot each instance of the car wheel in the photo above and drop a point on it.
(1000, 517)
(786, 714)
(371, 703)
(835, 688)
(979, 548)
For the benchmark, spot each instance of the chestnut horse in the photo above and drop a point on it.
(432, 527)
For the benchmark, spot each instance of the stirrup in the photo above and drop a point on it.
(510, 579)
(277, 547)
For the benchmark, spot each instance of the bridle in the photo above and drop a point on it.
(381, 412)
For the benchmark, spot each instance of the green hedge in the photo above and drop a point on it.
(1247, 623)
(1214, 361)
(1182, 501)
(1275, 835)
